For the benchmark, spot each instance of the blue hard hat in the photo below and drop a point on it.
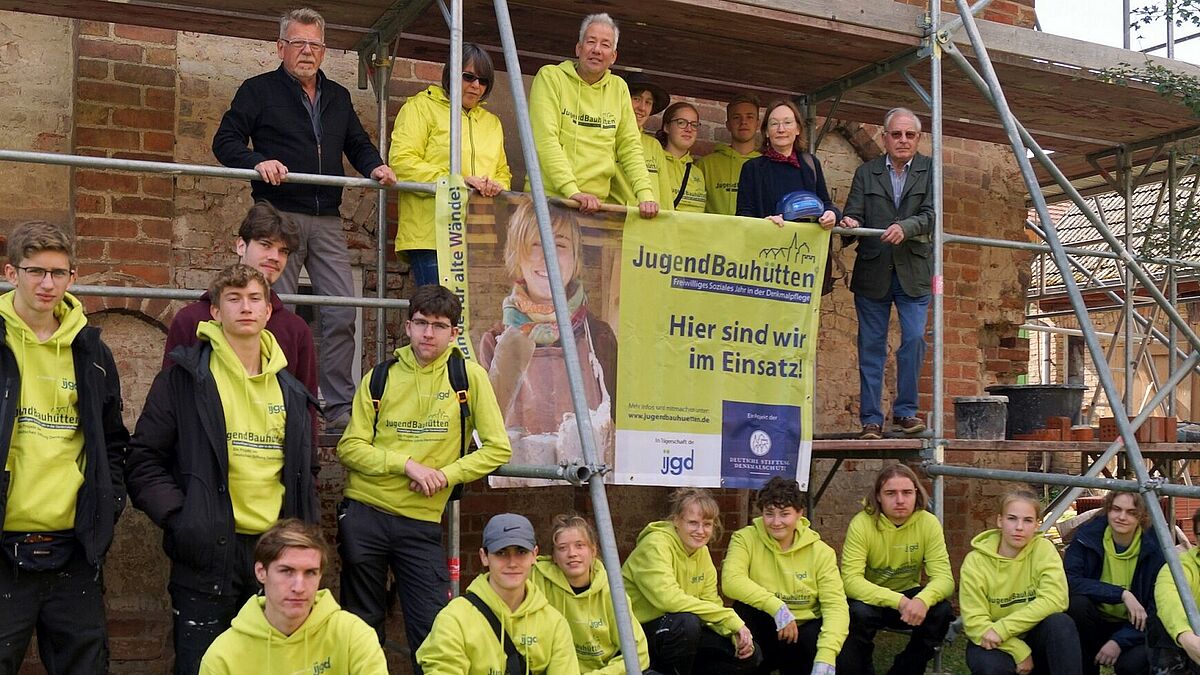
(800, 204)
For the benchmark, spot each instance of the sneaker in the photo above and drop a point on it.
(909, 425)
(871, 432)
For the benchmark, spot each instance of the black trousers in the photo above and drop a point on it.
(370, 542)
(794, 658)
(66, 609)
(200, 617)
(680, 644)
(858, 651)
(1166, 657)
(1055, 645)
(1096, 628)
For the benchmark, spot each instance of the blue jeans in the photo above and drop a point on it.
(423, 263)
(873, 319)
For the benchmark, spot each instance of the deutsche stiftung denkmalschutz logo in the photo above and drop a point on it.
(760, 443)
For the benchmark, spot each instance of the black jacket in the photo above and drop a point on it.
(268, 110)
(101, 498)
(179, 468)
(1084, 563)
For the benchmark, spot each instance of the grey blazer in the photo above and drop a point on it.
(871, 203)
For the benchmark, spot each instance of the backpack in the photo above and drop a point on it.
(456, 370)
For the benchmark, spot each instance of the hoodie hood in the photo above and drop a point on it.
(69, 313)
(251, 621)
(988, 544)
(273, 358)
(805, 536)
(439, 97)
(553, 575)
(726, 151)
(722, 170)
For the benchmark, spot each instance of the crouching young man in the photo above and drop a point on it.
(222, 450)
(503, 623)
(293, 627)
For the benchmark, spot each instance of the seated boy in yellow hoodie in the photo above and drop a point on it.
(785, 584)
(1174, 646)
(294, 627)
(464, 640)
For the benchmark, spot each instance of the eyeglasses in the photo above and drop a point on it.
(685, 124)
(300, 45)
(39, 273)
(910, 135)
(781, 124)
(471, 78)
(422, 324)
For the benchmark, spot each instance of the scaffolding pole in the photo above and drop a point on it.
(455, 24)
(608, 540)
(937, 452)
(995, 93)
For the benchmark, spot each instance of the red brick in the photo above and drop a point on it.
(106, 181)
(158, 186)
(145, 34)
(141, 118)
(160, 99)
(129, 250)
(153, 141)
(107, 92)
(115, 51)
(430, 72)
(93, 69)
(153, 228)
(85, 203)
(100, 28)
(144, 206)
(109, 228)
(90, 249)
(92, 114)
(111, 139)
(158, 275)
(146, 75)
(160, 56)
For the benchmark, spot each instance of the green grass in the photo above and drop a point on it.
(954, 660)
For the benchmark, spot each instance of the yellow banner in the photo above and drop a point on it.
(451, 218)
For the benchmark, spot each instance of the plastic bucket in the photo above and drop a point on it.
(1030, 404)
(980, 417)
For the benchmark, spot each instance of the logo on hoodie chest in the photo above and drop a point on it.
(322, 666)
(1016, 598)
(605, 120)
(436, 422)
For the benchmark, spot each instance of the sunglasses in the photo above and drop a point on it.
(910, 135)
(472, 78)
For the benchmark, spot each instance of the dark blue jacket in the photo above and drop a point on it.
(1084, 561)
(763, 182)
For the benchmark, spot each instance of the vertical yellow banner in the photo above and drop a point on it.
(451, 229)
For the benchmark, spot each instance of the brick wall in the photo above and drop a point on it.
(1012, 12)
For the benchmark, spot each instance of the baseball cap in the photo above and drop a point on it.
(508, 529)
(638, 83)
(800, 204)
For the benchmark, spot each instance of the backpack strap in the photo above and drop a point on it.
(687, 171)
(493, 620)
(456, 370)
(379, 375)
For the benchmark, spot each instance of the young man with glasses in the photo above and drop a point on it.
(62, 446)
(299, 120)
(403, 453)
(893, 193)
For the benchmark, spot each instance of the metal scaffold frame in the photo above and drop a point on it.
(936, 44)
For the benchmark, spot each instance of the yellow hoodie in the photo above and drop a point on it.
(420, 152)
(255, 420)
(622, 191)
(880, 561)
(670, 178)
(45, 456)
(1010, 595)
(462, 641)
(331, 641)
(722, 169)
(1166, 594)
(418, 419)
(592, 618)
(662, 578)
(582, 130)
(805, 577)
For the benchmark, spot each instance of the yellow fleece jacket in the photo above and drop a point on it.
(670, 179)
(622, 191)
(722, 169)
(1166, 594)
(880, 561)
(583, 131)
(662, 578)
(1010, 595)
(420, 152)
(592, 618)
(255, 423)
(462, 641)
(805, 577)
(418, 419)
(45, 456)
(331, 641)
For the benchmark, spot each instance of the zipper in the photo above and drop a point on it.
(471, 133)
(320, 169)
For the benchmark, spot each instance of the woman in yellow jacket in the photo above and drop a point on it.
(681, 182)
(672, 584)
(576, 584)
(785, 584)
(1013, 598)
(420, 152)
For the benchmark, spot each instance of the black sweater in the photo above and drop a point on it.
(764, 182)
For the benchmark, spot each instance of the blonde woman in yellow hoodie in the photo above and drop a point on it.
(420, 152)
(785, 583)
(672, 582)
(576, 584)
(1013, 598)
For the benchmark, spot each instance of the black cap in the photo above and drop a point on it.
(638, 83)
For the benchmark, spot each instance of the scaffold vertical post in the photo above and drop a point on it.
(454, 514)
(938, 414)
(383, 74)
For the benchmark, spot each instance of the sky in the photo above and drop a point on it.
(1101, 21)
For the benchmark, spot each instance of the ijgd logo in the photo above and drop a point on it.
(760, 443)
(675, 465)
